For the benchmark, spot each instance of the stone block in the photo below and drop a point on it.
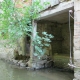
(77, 62)
(77, 42)
(77, 5)
(74, 79)
(76, 54)
(77, 75)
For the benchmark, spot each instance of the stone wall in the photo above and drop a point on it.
(66, 38)
(6, 50)
(19, 3)
(60, 43)
(52, 28)
(77, 39)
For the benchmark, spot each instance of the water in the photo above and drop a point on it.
(9, 72)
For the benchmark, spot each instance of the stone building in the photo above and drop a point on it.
(61, 19)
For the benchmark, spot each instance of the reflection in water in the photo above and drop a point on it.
(8, 72)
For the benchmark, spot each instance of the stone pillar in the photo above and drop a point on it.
(34, 24)
(77, 39)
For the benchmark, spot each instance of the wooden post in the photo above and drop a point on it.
(77, 39)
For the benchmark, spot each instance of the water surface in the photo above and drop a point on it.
(9, 72)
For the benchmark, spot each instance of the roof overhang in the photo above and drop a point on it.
(58, 13)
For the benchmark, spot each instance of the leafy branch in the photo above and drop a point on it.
(41, 42)
(17, 22)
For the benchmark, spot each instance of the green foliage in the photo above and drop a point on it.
(14, 21)
(17, 22)
(41, 42)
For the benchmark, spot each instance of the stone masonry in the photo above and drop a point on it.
(77, 39)
(60, 43)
